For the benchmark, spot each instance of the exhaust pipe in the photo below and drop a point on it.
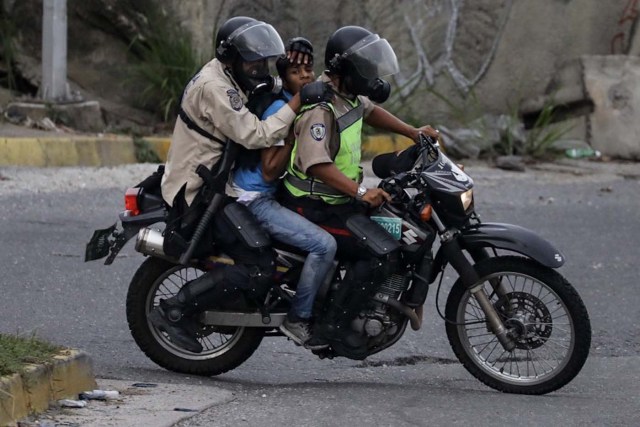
(149, 242)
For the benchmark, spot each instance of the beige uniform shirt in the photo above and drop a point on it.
(316, 131)
(213, 101)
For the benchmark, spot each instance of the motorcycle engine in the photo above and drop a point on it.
(378, 321)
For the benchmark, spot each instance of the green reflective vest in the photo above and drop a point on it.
(347, 159)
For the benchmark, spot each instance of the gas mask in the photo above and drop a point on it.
(273, 85)
(377, 90)
(254, 77)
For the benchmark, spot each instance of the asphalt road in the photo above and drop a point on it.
(590, 214)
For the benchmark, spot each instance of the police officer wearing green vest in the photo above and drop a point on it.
(324, 174)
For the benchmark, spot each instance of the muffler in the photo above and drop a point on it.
(149, 242)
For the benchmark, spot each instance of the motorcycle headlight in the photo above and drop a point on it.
(467, 199)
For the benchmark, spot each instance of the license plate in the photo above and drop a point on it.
(392, 225)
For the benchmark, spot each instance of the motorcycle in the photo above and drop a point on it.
(512, 320)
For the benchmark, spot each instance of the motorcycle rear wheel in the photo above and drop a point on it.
(223, 348)
(547, 320)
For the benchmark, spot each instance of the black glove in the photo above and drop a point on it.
(316, 92)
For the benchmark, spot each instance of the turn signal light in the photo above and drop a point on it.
(131, 201)
(425, 213)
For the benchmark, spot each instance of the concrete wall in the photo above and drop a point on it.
(540, 40)
(502, 51)
(458, 58)
(498, 52)
(461, 59)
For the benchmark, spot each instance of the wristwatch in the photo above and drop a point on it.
(362, 190)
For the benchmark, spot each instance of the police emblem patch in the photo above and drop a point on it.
(234, 99)
(318, 131)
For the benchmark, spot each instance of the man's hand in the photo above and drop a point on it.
(426, 130)
(315, 92)
(375, 197)
(299, 51)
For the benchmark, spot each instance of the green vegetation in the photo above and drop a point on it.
(542, 135)
(143, 151)
(16, 351)
(167, 60)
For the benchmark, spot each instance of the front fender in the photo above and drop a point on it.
(513, 238)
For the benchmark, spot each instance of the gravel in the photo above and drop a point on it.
(14, 179)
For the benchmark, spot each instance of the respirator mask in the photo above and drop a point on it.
(365, 63)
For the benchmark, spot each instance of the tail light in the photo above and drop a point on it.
(131, 201)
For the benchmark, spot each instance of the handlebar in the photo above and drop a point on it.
(429, 148)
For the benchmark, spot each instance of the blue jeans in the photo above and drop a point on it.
(292, 229)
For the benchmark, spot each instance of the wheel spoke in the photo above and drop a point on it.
(214, 343)
(538, 321)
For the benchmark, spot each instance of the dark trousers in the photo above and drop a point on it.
(253, 269)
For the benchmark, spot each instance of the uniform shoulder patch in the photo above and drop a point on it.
(318, 131)
(234, 99)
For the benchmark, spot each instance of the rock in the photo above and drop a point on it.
(613, 83)
(482, 135)
(84, 116)
(510, 163)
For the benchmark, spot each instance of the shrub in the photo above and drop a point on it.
(167, 60)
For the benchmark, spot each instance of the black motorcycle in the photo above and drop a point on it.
(513, 321)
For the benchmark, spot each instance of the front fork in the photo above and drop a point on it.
(499, 288)
(455, 256)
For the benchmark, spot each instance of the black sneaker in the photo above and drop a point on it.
(298, 330)
(177, 334)
(316, 342)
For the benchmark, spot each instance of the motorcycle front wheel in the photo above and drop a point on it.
(224, 348)
(545, 317)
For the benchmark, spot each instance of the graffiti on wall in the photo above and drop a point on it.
(451, 37)
(621, 41)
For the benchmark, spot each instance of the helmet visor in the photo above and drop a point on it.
(257, 40)
(372, 57)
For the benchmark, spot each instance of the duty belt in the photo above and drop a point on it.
(313, 187)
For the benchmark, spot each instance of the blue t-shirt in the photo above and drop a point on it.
(251, 179)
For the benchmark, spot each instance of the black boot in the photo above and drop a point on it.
(175, 315)
(177, 331)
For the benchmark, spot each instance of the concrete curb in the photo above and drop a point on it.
(74, 150)
(70, 373)
(113, 150)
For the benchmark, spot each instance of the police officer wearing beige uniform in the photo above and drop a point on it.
(213, 112)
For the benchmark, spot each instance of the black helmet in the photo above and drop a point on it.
(251, 39)
(360, 58)
(241, 40)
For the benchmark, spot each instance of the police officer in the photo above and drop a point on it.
(212, 112)
(324, 173)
